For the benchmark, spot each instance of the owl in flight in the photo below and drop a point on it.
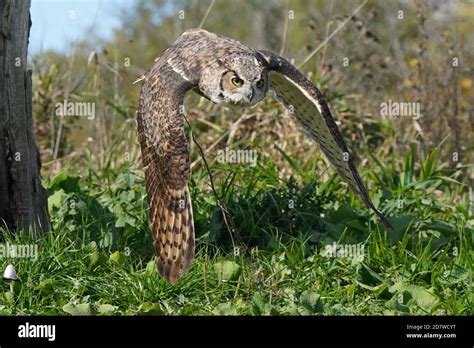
(226, 72)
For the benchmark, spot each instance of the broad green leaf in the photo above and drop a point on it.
(118, 258)
(66, 182)
(9, 297)
(96, 259)
(121, 220)
(148, 308)
(343, 214)
(151, 268)
(311, 302)
(290, 309)
(423, 298)
(106, 309)
(378, 290)
(260, 307)
(228, 270)
(456, 275)
(79, 309)
(446, 229)
(55, 200)
(396, 305)
(401, 224)
(225, 309)
(92, 246)
(46, 287)
(368, 276)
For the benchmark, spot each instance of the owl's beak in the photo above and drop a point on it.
(252, 93)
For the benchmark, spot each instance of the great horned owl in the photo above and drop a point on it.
(227, 72)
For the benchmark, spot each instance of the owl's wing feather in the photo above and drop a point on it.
(309, 106)
(160, 125)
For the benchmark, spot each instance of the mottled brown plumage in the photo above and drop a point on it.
(229, 73)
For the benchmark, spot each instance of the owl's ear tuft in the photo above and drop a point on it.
(220, 62)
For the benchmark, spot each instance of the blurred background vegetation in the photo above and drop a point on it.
(375, 57)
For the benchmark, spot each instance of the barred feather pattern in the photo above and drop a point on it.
(310, 108)
(160, 125)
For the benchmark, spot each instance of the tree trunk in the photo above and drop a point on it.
(23, 201)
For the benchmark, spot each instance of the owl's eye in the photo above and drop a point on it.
(236, 81)
(260, 83)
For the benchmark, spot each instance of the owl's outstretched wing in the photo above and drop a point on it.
(160, 124)
(309, 106)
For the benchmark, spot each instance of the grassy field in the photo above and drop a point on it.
(99, 259)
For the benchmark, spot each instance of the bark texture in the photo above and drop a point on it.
(23, 200)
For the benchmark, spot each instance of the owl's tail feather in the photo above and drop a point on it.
(173, 232)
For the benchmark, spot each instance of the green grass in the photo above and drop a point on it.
(99, 258)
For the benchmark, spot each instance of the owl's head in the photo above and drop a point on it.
(237, 80)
